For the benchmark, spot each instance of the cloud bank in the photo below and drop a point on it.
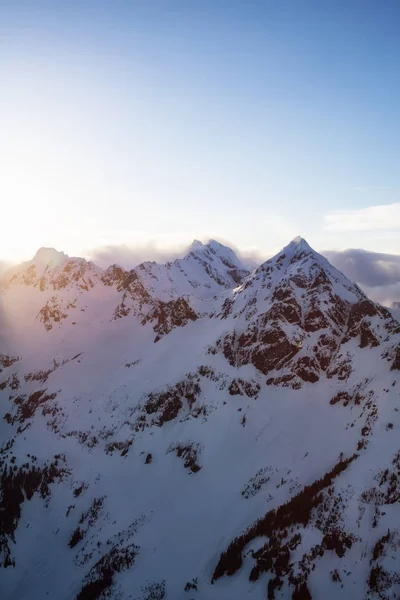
(369, 268)
(130, 256)
(377, 274)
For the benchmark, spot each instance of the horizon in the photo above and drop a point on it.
(149, 125)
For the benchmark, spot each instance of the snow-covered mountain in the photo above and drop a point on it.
(251, 452)
(206, 270)
(165, 295)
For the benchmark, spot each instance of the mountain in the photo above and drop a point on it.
(61, 288)
(204, 272)
(193, 430)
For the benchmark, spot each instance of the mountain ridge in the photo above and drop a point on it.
(192, 437)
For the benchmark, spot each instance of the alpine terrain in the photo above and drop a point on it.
(191, 430)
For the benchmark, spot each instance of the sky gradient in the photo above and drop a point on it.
(137, 122)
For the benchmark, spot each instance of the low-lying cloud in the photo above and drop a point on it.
(370, 268)
(131, 256)
(377, 274)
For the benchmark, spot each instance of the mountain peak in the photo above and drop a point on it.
(194, 246)
(211, 246)
(297, 240)
(298, 244)
(44, 256)
(214, 245)
(297, 249)
(215, 251)
(304, 266)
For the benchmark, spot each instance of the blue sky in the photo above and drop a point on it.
(142, 122)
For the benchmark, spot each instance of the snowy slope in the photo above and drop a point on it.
(206, 271)
(252, 452)
(53, 290)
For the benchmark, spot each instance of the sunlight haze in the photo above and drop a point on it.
(159, 122)
(199, 300)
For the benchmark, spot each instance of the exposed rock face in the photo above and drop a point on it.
(148, 292)
(396, 362)
(168, 315)
(296, 313)
(257, 438)
(359, 323)
(54, 270)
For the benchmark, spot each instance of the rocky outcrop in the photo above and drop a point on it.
(168, 315)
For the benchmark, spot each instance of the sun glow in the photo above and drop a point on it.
(30, 220)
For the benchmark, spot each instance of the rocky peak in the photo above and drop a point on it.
(298, 246)
(216, 247)
(297, 251)
(298, 315)
(195, 245)
(49, 257)
(301, 266)
(220, 262)
(204, 272)
(50, 269)
(214, 250)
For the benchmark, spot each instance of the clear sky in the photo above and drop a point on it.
(124, 122)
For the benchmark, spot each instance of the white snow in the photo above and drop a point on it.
(185, 519)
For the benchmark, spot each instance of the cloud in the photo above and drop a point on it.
(378, 274)
(385, 295)
(369, 268)
(131, 256)
(385, 216)
(128, 256)
(250, 257)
